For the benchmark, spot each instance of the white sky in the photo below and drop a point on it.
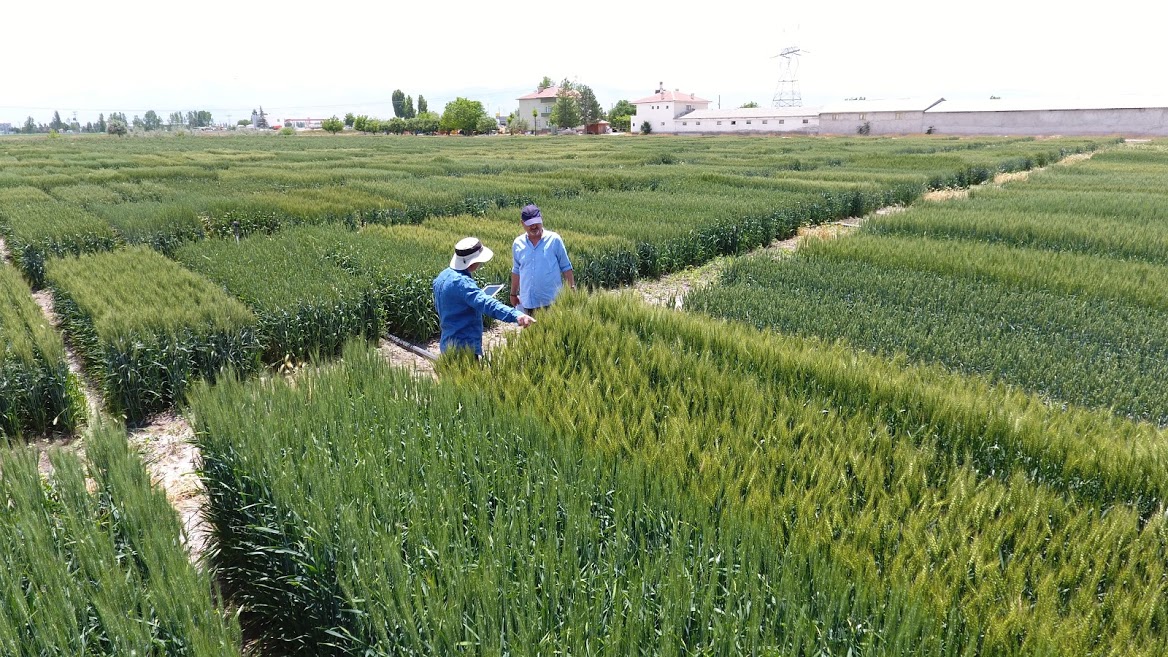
(297, 59)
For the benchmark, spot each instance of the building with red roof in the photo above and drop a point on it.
(541, 101)
(663, 107)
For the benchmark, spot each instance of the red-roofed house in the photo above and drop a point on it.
(542, 102)
(663, 107)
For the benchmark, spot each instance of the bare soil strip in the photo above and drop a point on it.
(93, 404)
(401, 357)
(167, 448)
(672, 289)
(165, 445)
(4, 254)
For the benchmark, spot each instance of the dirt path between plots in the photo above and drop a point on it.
(164, 442)
(671, 290)
(167, 447)
(493, 338)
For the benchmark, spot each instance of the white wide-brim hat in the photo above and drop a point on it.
(468, 251)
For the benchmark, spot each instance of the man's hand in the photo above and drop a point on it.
(525, 320)
(514, 300)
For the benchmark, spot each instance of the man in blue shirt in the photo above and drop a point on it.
(461, 304)
(539, 262)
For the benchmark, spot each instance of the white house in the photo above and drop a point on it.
(542, 102)
(748, 120)
(883, 117)
(303, 124)
(663, 107)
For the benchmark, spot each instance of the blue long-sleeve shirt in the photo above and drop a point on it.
(461, 306)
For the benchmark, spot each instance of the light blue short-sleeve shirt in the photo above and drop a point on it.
(540, 268)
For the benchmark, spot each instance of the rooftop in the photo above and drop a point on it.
(1037, 104)
(550, 92)
(890, 105)
(670, 96)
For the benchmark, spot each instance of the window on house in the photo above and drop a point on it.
(662, 123)
(900, 115)
(748, 122)
(666, 107)
(719, 123)
(781, 121)
(805, 120)
(697, 122)
(835, 117)
(863, 116)
(684, 123)
(764, 121)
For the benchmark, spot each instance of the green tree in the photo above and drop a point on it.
(137, 123)
(619, 115)
(535, 119)
(590, 109)
(486, 125)
(121, 116)
(750, 105)
(646, 128)
(396, 125)
(199, 119)
(373, 125)
(566, 111)
(56, 124)
(422, 106)
(29, 127)
(399, 103)
(359, 122)
(151, 121)
(462, 115)
(100, 126)
(349, 119)
(116, 127)
(516, 125)
(426, 124)
(176, 119)
(544, 83)
(409, 107)
(262, 121)
(333, 125)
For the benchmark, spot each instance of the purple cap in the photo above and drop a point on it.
(530, 215)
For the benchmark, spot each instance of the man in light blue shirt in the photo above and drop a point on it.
(461, 304)
(540, 264)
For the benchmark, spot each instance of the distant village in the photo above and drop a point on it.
(573, 109)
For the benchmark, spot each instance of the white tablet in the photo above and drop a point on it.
(492, 290)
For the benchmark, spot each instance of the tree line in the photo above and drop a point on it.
(460, 116)
(118, 123)
(575, 105)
